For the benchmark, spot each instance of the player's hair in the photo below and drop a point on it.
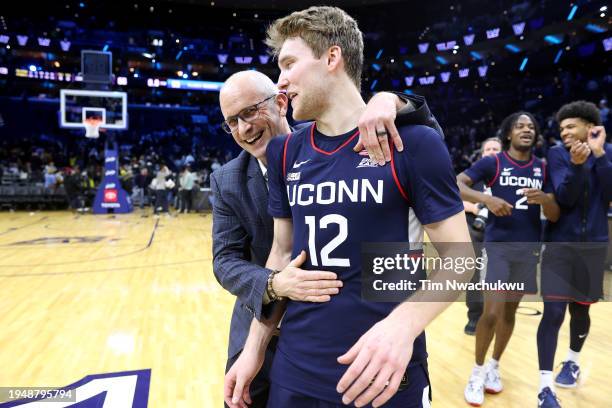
(321, 28)
(490, 139)
(505, 129)
(584, 110)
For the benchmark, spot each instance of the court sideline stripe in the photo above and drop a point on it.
(152, 234)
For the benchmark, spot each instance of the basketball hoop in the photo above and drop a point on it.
(92, 127)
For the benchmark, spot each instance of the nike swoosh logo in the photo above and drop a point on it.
(508, 169)
(582, 336)
(298, 164)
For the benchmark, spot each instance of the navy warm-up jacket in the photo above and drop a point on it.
(584, 193)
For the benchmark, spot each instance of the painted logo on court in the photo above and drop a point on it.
(128, 389)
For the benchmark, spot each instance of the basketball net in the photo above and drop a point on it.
(92, 128)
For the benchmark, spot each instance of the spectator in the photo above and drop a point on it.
(186, 183)
(159, 185)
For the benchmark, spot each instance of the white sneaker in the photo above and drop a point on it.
(474, 391)
(493, 382)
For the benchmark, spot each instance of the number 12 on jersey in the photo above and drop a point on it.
(324, 222)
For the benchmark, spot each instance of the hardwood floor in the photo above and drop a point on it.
(84, 294)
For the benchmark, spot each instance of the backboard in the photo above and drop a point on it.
(77, 106)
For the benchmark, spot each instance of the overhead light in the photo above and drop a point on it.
(147, 55)
(572, 12)
(179, 73)
(553, 39)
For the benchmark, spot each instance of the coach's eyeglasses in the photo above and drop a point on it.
(248, 114)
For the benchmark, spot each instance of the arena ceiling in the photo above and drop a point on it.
(282, 4)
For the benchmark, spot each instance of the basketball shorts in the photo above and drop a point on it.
(417, 394)
(573, 271)
(514, 265)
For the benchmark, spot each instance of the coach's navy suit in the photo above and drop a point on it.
(242, 239)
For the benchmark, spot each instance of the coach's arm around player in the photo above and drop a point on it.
(241, 374)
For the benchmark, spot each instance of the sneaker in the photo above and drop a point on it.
(568, 377)
(493, 382)
(474, 391)
(548, 399)
(470, 327)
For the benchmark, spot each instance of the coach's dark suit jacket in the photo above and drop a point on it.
(243, 230)
(242, 239)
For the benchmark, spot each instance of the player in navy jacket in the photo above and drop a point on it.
(574, 261)
(520, 188)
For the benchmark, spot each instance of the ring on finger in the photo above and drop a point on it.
(381, 133)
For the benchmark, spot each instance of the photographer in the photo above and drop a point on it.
(477, 215)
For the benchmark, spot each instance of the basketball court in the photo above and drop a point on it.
(85, 295)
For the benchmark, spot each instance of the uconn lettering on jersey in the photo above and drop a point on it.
(331, 192)
(519, 181)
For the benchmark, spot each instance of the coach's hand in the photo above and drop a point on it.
(377, 363)
(579, 152)
(498, 206)
(305, 286)
(239, 377)
(377, 124)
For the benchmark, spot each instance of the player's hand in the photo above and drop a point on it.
(596, 140)
(536, 196)
(579, 152)
(239, 377)
(378, 362)
(498, 206)
(376, 125)
(305, 286)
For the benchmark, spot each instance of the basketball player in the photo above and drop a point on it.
(572, 274)
(254, 113)
(320, 55)
(520, 187)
